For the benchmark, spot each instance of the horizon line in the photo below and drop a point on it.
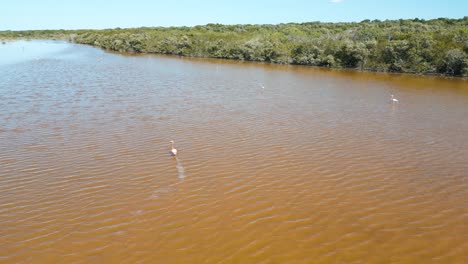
(256, 24)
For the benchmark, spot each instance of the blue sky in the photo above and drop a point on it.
(77, 14)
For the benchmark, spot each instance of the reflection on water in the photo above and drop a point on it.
(180, 168)
(22, 51)
(286, 164)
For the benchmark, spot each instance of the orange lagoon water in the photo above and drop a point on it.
(316, 167)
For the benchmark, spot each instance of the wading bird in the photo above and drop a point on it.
(394, 100)
(173, 150)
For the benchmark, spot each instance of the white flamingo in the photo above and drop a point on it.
(394, 100)
(173, 150)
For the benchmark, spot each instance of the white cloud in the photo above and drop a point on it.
(335, 1)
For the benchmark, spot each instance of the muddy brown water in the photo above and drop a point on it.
(276, 164)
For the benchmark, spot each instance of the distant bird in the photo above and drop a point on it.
(173, 150)
(394, 100)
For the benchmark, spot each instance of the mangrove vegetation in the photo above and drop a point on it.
(437, 46)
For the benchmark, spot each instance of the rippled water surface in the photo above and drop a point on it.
(276, 164)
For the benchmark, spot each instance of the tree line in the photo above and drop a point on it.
(437, 46)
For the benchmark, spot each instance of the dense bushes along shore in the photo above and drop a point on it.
(413, 46)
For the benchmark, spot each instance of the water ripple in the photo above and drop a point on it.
(302, 171)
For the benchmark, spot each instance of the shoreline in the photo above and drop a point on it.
(411, 46)
(134, 53)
